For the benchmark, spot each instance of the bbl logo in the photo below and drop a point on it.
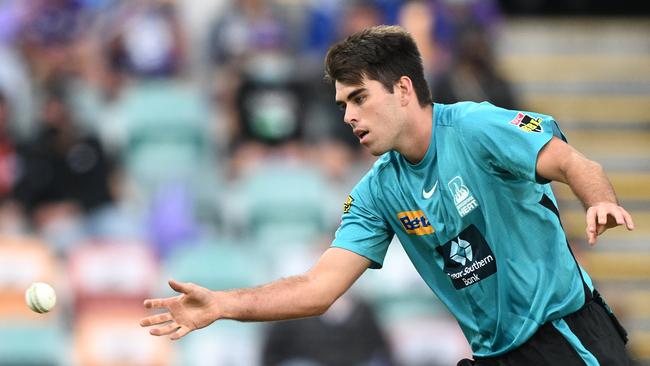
(527, 123)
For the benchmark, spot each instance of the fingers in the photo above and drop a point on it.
(153, 303)
(158, 303)
(180, 287)
(155, 319)
(165, 329)
(591, 237)
(176, 330)
(164, 303)
(618, 216)
(597, 220)
(602, 216)
(629, 223)
(591, 225)
(181, 332)
(165, 321)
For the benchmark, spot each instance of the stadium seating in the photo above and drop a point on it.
(592, 77)
(104, 273)
(218, 264)
(280, 199)
(111, 336)
(169, 140)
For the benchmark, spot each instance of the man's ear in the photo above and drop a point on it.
(404, 88)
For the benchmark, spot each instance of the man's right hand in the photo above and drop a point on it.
(309, 294)
(192, 309)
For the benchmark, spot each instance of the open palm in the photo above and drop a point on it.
(186, 312)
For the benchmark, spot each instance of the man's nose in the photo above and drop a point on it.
(349, 117)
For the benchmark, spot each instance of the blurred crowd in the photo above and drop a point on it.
(88, 88)
(148, 138)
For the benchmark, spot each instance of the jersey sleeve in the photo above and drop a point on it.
(362, 229)
(508, 140)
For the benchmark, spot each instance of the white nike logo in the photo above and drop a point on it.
(428, 195)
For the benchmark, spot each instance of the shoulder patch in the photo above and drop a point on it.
(527, 123)
(347, 204)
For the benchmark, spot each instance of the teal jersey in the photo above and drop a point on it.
(481, 228)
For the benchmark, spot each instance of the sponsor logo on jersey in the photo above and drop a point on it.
(415, 222)
(461, 251)
(428, 194)
(465, 202)
(527, 123)
(347, 204)
(468, 258)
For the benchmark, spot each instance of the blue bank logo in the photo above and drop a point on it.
(461, 251)
(467, 258)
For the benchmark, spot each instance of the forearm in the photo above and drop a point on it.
(588, 181)
(294, 297)
(560, 162)
(288, 298)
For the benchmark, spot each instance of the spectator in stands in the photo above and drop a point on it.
(473, 76)
(349, 334)
(11, 219)
(7, 152)
(63, 171)
(47, 37)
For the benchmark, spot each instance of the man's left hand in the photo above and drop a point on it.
(603, 216)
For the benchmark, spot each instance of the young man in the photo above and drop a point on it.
(464, 188)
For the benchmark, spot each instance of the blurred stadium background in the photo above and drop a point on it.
(143, 140)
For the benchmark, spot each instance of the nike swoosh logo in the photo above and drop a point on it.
(428, 194)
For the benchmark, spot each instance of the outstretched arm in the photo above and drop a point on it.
(560, 162)
(304, 295)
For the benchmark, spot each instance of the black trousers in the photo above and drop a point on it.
(595, 327)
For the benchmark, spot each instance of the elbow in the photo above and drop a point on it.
(597, 167)
(320, 310)
(320, 307)
(320, 303)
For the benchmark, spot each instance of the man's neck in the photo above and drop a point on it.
(419, 136)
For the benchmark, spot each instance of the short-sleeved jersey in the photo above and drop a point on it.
(481, 228)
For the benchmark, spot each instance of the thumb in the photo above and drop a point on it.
(179, 286)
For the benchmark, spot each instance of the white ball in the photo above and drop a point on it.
(40, 297)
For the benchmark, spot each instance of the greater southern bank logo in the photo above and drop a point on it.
(461, 251)
(415, 222)
(465, 202)
(468, 258)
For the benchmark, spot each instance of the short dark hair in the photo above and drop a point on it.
(382, 53)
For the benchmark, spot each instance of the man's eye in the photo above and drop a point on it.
(359, 99)
(342, 107)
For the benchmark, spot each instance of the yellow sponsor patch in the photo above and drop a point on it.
(347, 204)
(415, 222)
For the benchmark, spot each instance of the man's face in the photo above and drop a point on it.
(372, 112)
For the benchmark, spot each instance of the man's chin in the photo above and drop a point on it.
(376, 151)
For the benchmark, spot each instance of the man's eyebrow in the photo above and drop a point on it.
(351, 96)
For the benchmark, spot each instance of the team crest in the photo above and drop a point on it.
(465, 202)
(527, 123)
(347, 204)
